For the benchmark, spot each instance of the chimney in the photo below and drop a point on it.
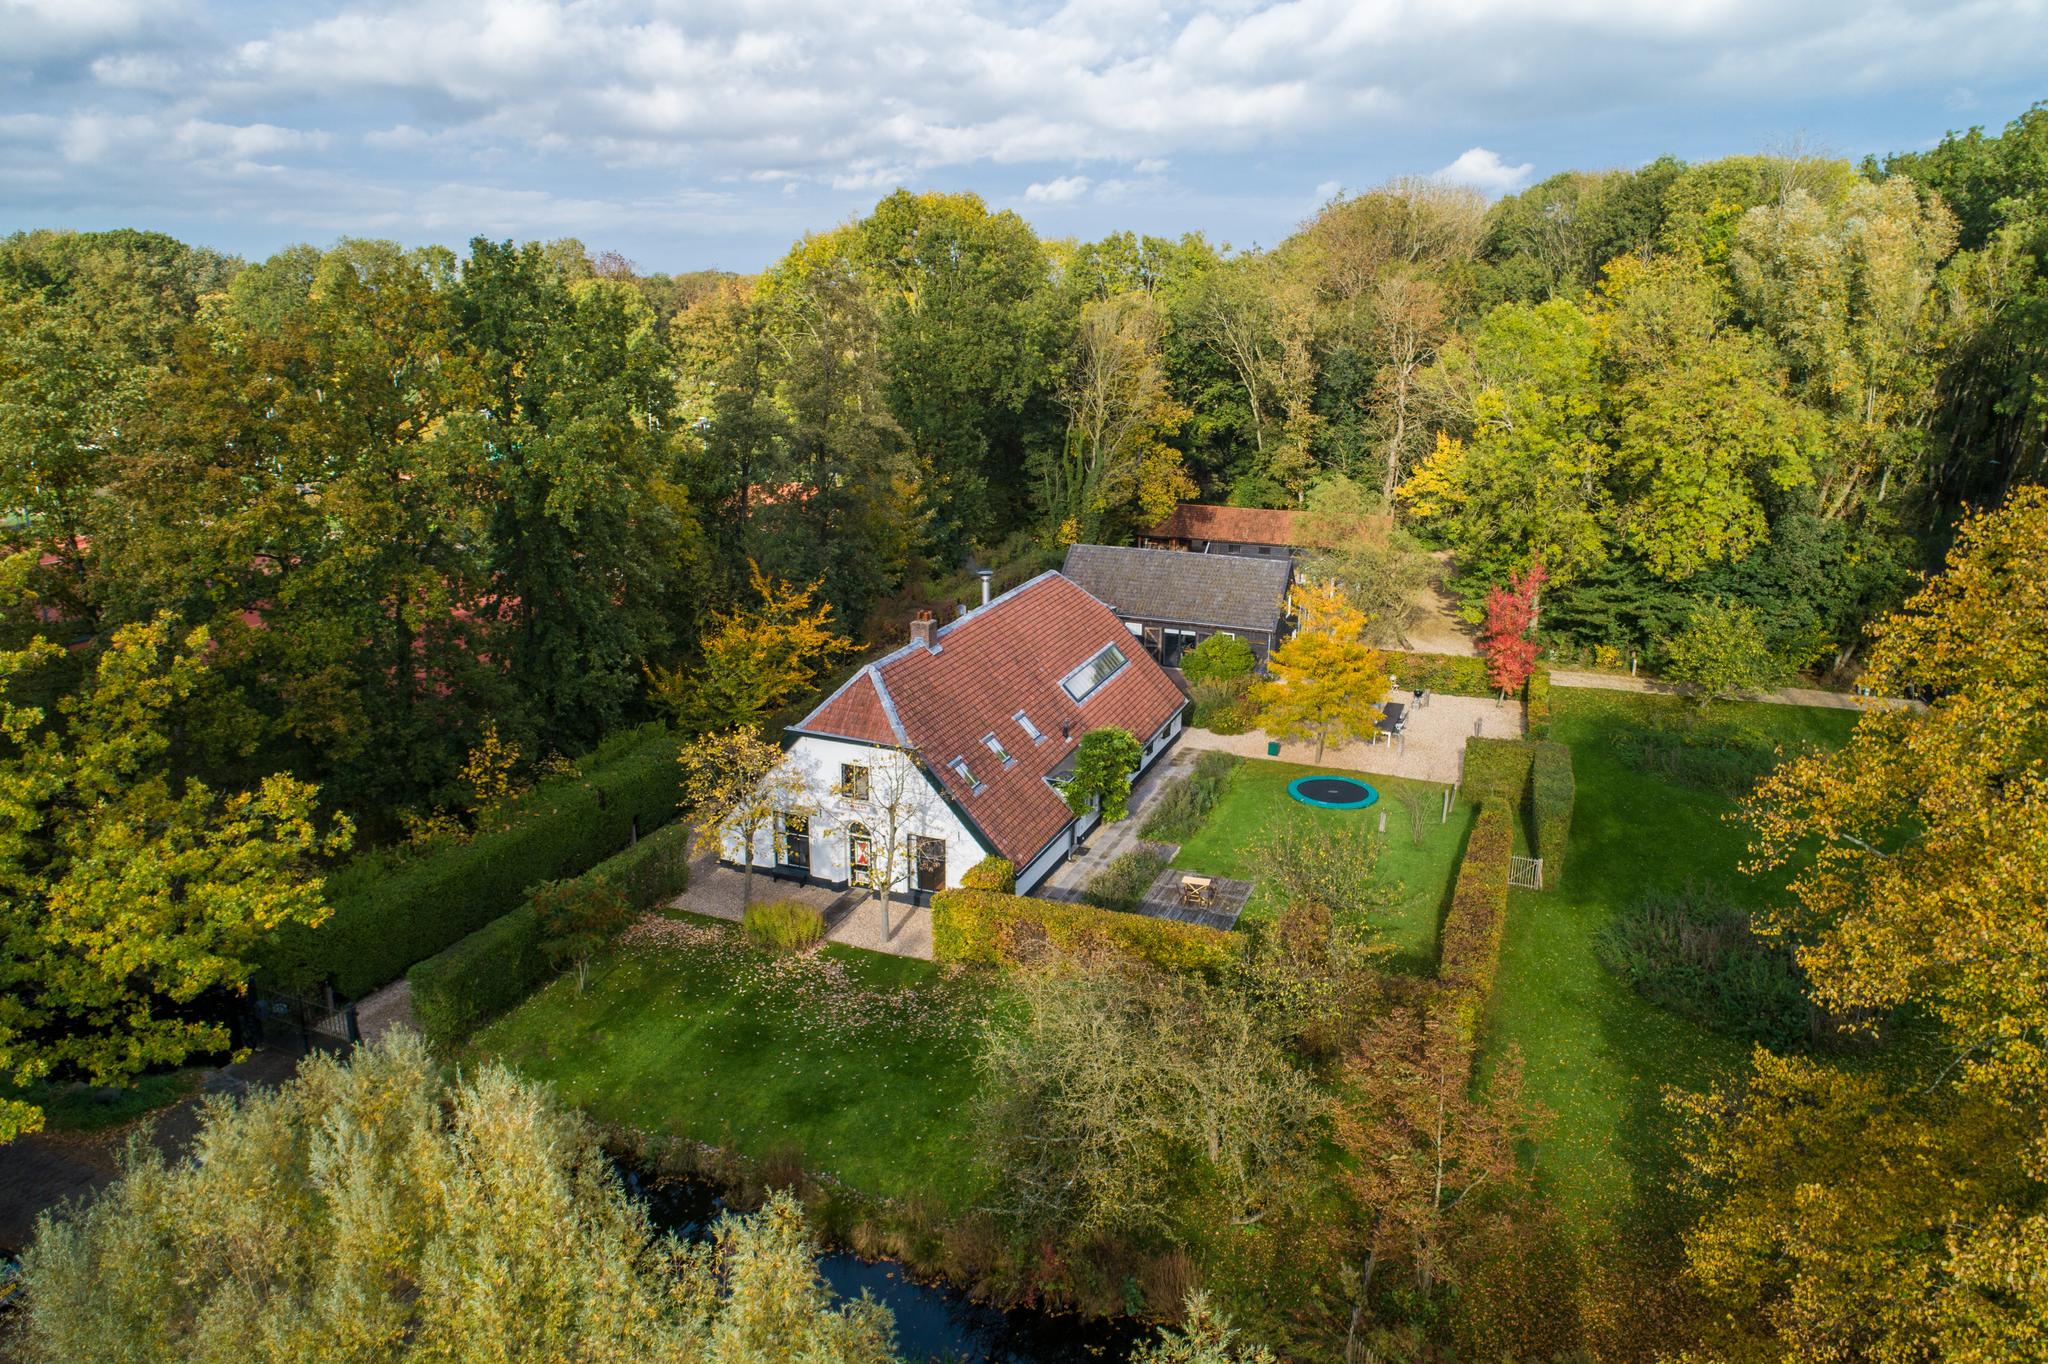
(921, 629)
(984, 574)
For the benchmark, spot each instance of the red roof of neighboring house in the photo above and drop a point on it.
(1236, 525)
(1008, 656)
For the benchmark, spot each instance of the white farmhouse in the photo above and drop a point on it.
(946, 751)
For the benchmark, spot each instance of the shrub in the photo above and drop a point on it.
(982, 928)
(784, 925)
(1318, 862)
(1224, 707)
(466, 985)
(1218, 658)
(390, 912)
(1723, 650)
(1696, 954)
(1182, 808)
(1122, 884)
(994, 873)
(1469, 952)
(1536, 704)
(1700, 753)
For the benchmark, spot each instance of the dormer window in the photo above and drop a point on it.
(1085, 680)
(994, 745)
(1031, 731)
(962, 771)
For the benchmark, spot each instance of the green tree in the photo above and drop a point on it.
(126, 892)
(577, 918)
(1104, 762)
(376, 1210)
(955, 283)
(1721, 652)
(1204, 1336)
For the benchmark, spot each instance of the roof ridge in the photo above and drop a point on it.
(996, 601)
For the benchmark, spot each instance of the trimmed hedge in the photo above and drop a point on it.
(1532, 777)
(1468, 953)
(1451, 674)
(458, 990)
(1536, 704)
(994, 873)
(1552, 793)
(983, 928)
(392, 911)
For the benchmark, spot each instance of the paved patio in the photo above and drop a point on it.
(851, 917)
(1227, 901)
(1432, 749)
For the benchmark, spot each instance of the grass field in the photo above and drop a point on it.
(1257, 795)
(863, 1064)
(1597, 1055)
(91, 1108)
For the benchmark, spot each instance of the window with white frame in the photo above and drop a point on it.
(1031, 731)
(966, 774)
(994, 745)
(853, 781)
(1085, 680)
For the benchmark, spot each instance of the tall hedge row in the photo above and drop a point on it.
(1468, 953)
(391, 911)
(1552, 793)
(1535, 778)
(985, 928)
(464, 986)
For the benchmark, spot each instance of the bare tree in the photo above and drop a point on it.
(895, 806)
(735, 784)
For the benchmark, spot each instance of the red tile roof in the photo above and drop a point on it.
(1006, 657)
(1236, 525)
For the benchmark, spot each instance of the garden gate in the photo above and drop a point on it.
(1526, 872)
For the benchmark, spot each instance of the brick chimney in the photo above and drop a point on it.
(922, 629)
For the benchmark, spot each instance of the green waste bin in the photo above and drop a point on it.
(1272, 748)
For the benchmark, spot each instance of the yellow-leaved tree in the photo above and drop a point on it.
(1326, 681)
(754, 660)
(1900, 1211)
(127, 891)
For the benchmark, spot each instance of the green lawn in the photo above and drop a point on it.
(861, 1062)
(1597, 1055)
(1257, 795)
(93, 1108)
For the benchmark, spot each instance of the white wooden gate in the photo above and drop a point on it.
(1526, 872)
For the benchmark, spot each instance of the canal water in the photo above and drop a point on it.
(933, 1321)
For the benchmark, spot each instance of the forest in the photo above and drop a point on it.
(318, 563)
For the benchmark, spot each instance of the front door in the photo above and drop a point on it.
(931, 864)
(860, 857)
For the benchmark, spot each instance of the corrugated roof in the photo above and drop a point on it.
(1008, 656)
(1236, 525)
(1221, 590)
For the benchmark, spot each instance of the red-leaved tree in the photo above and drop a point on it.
(1504, 639)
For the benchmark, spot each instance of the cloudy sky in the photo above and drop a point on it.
(698, 134)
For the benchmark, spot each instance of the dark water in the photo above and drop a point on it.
(933, 1321)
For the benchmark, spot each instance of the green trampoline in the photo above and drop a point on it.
(1332, 793)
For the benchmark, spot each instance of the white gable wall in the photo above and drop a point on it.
(819, 761)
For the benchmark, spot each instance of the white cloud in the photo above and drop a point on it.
(1063, 190)
(1328, 190)
(1483, 170)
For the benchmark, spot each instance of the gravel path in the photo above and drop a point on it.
(1781, 696)
(1432, 750)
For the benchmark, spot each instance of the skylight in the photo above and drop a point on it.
(1031, 731)
(961, 770)
(1084, 680)
(995, 746)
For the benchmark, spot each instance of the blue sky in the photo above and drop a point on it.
(690, 135)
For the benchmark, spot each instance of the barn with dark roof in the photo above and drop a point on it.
(1171, 601)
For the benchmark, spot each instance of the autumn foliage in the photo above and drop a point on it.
(1504, 639)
